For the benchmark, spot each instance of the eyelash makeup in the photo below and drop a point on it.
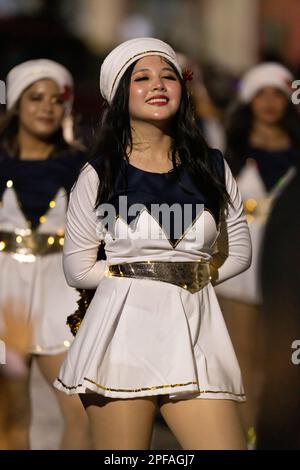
(168, 77)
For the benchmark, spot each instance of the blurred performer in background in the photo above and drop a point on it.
(206, 113)
(279, 416)
(263, 143)
(37, 170)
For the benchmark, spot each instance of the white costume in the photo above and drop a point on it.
(141, 336)
(277, 168)
(33, 204)
(258, 202)
(145, 337)
(33, 286)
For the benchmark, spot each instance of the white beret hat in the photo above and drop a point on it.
(119, 59)
(27, 73)
(263, 75)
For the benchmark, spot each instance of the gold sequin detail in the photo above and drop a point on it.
(74, 320)
(30, 243)
(133, 390)
(189, 275)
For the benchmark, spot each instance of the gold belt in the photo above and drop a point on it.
(40, 244)
(190, 275)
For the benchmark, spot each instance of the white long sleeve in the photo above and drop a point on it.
(233, 248)
(81, 268)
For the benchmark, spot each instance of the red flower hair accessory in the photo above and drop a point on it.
(67, 93)
(187, 75)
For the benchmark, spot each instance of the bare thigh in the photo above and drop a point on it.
(204, 424)
(70, 406)
(120, 423)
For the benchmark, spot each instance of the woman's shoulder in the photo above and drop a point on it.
(86, 186)
(88, 176)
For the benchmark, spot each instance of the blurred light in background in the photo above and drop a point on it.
(225, 37)
(17, 7)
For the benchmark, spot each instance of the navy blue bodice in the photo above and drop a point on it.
(36, 182)
(147, 189)
(273, 164)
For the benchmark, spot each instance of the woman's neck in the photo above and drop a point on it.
(150, 147)
(32, 148)
(270, 137)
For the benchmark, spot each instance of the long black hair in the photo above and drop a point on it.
(115, 138)
(240, 125)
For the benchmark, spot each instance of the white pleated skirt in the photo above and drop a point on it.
(143, 338)
(38, 293)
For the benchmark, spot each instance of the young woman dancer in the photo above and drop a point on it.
(262, 149)
(37, 169)
(153, 335)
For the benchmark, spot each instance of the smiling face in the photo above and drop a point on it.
(41, 109)
(269, 105)
(155, 91)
